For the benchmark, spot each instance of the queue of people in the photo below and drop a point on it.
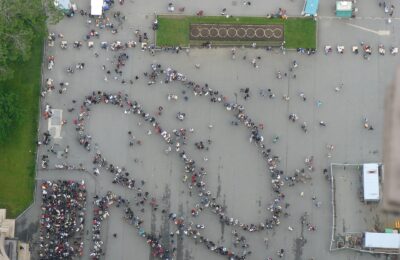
(159, 248)
(197, 175)
(206, 200)
(193, 174)
(176, 142)
(62, 219)
(100, 212)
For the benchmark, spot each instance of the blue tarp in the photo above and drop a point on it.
(311, 7)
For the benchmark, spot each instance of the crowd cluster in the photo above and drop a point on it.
(121, 176)
(100, 212)
(176, 141)
(62, 219)
(196, 175)
(63, 239)
(159, 248)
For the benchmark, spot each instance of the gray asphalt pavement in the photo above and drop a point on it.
(236, 174)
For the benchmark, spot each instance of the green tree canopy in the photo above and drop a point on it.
(9, 114)
(20, 22)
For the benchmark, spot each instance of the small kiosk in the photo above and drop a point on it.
(370, 176)
(345, 9)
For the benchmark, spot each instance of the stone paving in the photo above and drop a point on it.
(236, 171)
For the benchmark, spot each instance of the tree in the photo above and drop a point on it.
(20, 22)
(9, 114)
(54, 14)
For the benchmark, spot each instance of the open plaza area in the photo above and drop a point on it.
(207, 152)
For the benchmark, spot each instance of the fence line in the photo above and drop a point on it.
(333, 229)
(333, 201)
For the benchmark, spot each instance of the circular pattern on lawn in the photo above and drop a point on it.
(268, 33)
(214, 32)
(236, 32)
(251, 32)
(231, 32)
(223, 32)
(204, 32)
(260, 33)
(277, 32)
(241, 32)
(195, 32)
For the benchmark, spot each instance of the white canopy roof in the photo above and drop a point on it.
(371, 181)
(382, 240)
(96, 7)
(344, 5)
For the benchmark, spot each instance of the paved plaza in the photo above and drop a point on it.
(338, 89)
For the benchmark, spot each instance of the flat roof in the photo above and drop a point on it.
(382, 240)
(311, 7)
(371, 181)
(344, 6)
(96, 7)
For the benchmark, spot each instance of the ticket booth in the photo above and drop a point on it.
(345, 9)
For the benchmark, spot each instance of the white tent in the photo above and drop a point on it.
(371, 182)
(382, 240)
(96, 7)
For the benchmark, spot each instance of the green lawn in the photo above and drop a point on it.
(174, 30)
(17, 155)
(300, 33)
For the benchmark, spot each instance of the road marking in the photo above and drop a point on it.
(380, 32)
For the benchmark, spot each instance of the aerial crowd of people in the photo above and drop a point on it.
(62, 219)
(193, 175)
